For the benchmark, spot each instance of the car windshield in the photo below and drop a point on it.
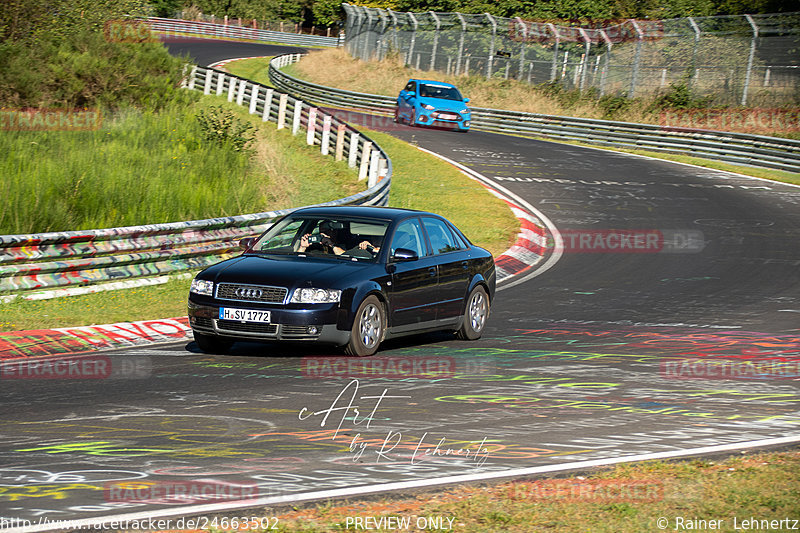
(352, 239)
(439, 91)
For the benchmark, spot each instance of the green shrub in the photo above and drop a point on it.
(87, 70)
(221, 127)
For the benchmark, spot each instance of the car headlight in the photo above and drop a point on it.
(428, 107)
(202, 286)
(316, 296)
(464, 111)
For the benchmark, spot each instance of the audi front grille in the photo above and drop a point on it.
(251, 293)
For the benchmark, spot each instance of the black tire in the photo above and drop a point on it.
(369, 327)
(476, 312)
(212, 344)
(397, 114)
(412, 118)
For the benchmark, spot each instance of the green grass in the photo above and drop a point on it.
(154, 167)
(761, 486)
(254, 69)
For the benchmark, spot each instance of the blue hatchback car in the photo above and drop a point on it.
(432, 103)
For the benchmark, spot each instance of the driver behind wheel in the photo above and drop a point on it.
(333, 238)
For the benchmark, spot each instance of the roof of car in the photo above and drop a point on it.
(434, 82)
(386, 213)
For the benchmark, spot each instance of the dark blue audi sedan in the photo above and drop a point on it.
(345, 276)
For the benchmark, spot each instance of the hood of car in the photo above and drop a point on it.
(445, 105)
(285, 271)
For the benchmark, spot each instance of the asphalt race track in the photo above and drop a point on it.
(668, 327)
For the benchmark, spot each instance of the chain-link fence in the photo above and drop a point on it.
(748, 59)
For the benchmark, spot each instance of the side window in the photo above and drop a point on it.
(409, 235)
(411, 86)
(441, 237)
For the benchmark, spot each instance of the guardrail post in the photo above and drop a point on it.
(374, 167)
(192, 74)
(352, 157)
(267, 105)
(232, 89)
(340, 141)
(282, 111)
(326, 135)
(209, 79)
(220, 83)
(253, 98)
(383, 168)
(297, 117)
(312, 126)
(366, 153)
(242, 89)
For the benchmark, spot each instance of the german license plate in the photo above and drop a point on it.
(448, 116)
(244, 315)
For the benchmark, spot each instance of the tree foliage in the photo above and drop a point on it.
(328, 12)
(59, 53)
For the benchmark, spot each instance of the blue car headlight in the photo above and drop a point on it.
(316, 296)
(464, 111)
(427, 106)
(202, 287)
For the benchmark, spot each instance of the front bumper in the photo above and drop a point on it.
(307, 325)
(443, 119)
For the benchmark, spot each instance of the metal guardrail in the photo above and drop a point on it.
(70, 258)
(740, 148)
(209, 30)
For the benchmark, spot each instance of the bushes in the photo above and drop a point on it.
(222, 128)
(86, 70)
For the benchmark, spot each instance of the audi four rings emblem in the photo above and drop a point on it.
(244, 292)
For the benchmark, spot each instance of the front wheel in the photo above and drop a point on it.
(397, 114)
(368, 328)
(475, 315)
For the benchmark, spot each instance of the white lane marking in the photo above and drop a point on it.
(400, 485)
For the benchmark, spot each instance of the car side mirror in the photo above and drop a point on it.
(404, 254)
(466, 100)
(246, 243)
(412, 93)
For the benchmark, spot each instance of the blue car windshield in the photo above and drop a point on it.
(353, 239)
(439, 91)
